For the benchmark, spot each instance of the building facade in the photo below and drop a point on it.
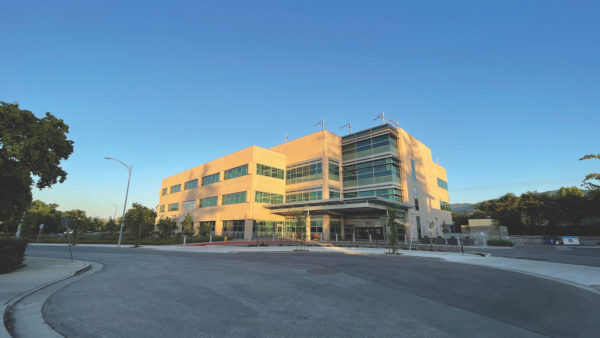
(344, 186)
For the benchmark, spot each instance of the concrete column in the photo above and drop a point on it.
(248, 223)
(326, 228)
(342, 228)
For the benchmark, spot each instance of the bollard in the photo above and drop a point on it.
(210, 238)
(336, 237)
(370, 239)
(184, 239)
(353, 239)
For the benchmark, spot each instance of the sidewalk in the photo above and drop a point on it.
(586, 277)
(38, 273)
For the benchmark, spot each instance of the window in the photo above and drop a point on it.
(190, 184)
(209, 224)
(162, 208)
(235, 198)
(316, 227)
(372, 172)
(416, 197)
(334, 192)
(264, 170)
(311, 194)
(266, 197)
(413, 172)
(233, 229)
(390, 194)
(334, 170)
(335, 227)
(236, 172)
(208, 202)
(165, 191)
(312, 170)
(369, 147)
(173, 207)
(445, 206)
(188, 205)
(442, 184)
(210, 179)
(176, 188)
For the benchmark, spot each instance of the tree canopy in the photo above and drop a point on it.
(140, 218)
(589, 179)
(29, 147)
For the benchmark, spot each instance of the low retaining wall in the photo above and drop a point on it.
(525, 239)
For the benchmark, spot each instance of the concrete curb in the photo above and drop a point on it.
(9, 305)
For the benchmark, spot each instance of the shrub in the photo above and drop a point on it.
(499, 242)
(12, 251)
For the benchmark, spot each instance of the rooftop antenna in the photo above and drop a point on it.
(382, 115)
(349, 125)
(322, 122)
(383, 119)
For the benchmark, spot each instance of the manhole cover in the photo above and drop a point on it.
(323, 271)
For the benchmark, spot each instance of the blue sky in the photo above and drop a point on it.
(505, 93)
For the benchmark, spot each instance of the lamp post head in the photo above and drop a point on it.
(107, 158)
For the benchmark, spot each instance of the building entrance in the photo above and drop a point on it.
(375, 232)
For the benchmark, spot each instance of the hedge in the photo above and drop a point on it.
(12, 252)
(499, 242)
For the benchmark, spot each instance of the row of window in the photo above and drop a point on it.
(313, 170)
(445, 206)
(235, 198)
(390, 194)
(442, 184)
(302, 196)
(267, 197)
(372, 172)
(334, 170)
(370, 147)
(210, 179)
(265, 170)
(236, 172)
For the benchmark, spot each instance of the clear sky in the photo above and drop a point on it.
(505, 93)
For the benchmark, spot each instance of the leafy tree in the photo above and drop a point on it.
(531, 205)
(140, 219)
(78, 223)
(41, 213)
(203, 229)
(29, 147)
(188, 225)
(392, 225)
(590, 179)
(111, 226)
(166, 226)
(300, 222)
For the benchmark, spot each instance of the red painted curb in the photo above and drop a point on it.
(235, 243)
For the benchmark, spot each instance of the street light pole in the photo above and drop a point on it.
(126, 195)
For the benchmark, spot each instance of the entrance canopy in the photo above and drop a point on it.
(346, 207)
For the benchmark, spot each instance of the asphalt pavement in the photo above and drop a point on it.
(147, 293)
(588, 256)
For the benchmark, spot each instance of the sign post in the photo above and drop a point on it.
(64, 220)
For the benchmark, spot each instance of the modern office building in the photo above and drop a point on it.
(343, 185)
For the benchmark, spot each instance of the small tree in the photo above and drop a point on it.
(392, 225)
(166, 226)
(496, 226)
(300, 225)
(188, 225)
(203, 229)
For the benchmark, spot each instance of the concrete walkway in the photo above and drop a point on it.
(37, 274)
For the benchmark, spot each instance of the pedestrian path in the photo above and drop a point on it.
(38, 272)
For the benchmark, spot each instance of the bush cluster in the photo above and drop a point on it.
(499, 242)
(12, 252)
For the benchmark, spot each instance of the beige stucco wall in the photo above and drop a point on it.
(429, 193)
